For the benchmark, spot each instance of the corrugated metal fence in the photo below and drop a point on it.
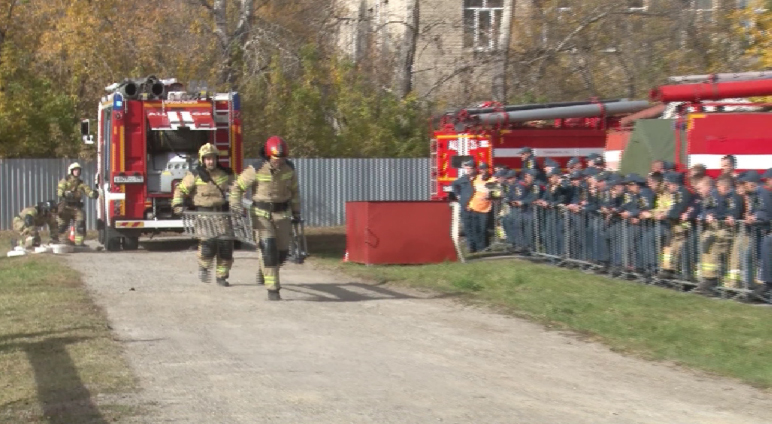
(325, 185)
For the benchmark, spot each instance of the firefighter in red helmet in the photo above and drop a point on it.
(276, 205)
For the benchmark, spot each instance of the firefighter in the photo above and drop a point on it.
(720, 210)
(507, 197)
(276, 206)
(672, 218)
(70, 191)
(207, 186)
(754, 223)
(462, 192)
(27, 222)
(502, 207)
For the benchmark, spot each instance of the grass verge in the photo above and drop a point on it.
(723, 337)
(58, 361)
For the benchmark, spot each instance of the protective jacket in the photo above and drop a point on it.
(206, 188)
(274, 189)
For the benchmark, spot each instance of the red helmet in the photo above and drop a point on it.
(276, 147)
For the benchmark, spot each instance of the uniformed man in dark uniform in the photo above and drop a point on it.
(577, 222)
(526, 193)
(529, 162)
(553, 200)
(574, 165)
(462, 192)
(612, 208)
(764, 276)
(596, 234)
(642, 200)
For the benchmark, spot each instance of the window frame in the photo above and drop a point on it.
(495, 18)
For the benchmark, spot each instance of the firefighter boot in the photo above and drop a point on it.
(223, 282)
(203, 274)
(273, 295)
(260, 279)
(706, 286)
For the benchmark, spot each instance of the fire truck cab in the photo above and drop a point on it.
(149, 132)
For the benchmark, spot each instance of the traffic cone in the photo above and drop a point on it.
(72, 233)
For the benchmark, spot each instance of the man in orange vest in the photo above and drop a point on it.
(480, 205)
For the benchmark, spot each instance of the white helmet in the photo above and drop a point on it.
(75, 165)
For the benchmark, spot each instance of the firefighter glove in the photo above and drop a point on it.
(94, 194)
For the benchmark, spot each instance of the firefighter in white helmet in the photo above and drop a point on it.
(71, 190)
(276, 204)
(207, 186)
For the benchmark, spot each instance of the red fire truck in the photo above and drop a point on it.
(494, 134)
(707, 124)
(149, 132)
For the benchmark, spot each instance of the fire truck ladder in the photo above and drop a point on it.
(433, 170)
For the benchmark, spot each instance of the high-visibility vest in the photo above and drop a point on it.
(480, 201)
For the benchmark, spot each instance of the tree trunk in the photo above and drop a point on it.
(404, 72)
(499, 89)
(232, 43)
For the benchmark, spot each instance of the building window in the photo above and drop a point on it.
(482, 22)
(703, 10)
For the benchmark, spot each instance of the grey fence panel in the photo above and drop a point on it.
(25, 182)
(325, 185)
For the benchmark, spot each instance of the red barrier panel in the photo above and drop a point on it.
(387, 232)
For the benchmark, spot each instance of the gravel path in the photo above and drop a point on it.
(341, 351)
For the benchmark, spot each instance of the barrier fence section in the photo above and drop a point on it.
(716, 258)
(326, 184)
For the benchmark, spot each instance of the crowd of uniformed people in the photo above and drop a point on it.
(683, 229)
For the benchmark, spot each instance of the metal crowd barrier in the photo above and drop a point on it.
(631, 249)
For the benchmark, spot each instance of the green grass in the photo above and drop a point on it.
(57, 355)
(724, 337)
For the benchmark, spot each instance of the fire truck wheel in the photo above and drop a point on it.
(130, 243)
(110, 240)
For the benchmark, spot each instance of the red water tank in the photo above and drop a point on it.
(390, 232)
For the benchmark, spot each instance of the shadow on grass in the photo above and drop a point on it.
(351, 292)
(61, 393)
(330, 245)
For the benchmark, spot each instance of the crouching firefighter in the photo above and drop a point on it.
(70, 191)
(207, 185)
(275, 207)
(27, 222)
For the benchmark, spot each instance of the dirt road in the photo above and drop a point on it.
(339, 351)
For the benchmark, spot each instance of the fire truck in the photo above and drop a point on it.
(149, 131)
(699, 121)
(494, 134)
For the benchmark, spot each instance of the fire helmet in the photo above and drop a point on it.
(47, 206)
(73, 166)
(206, 150)
(276, 147)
